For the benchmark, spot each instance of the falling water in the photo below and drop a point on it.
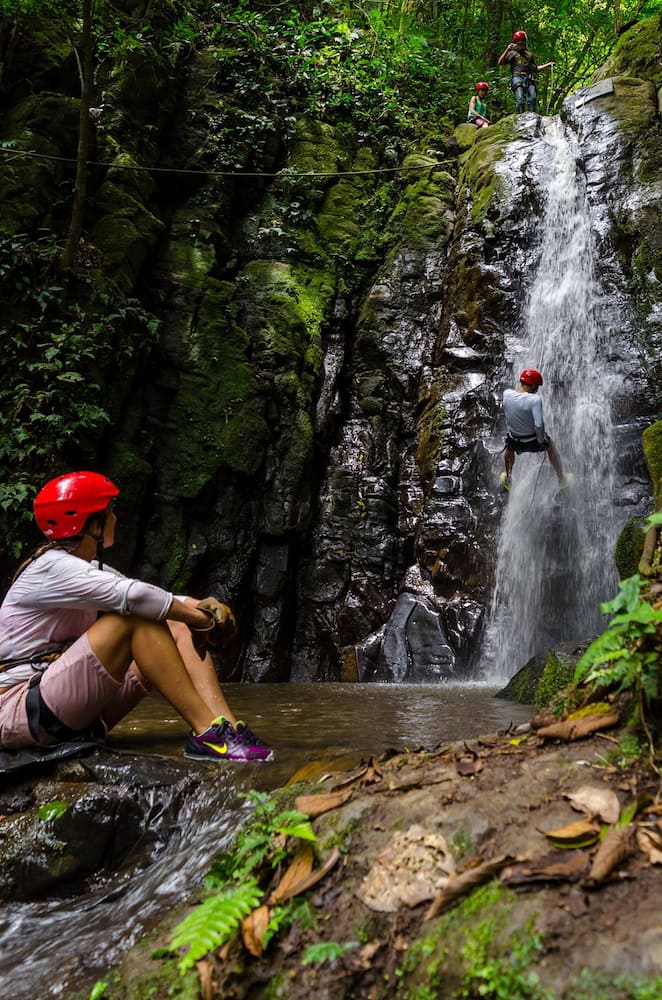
(553, 564)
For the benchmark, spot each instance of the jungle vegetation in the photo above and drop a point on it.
(387, 71)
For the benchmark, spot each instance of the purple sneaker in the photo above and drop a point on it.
(249, 739)
(222, 742)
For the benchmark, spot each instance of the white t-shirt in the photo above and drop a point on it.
(57, 598)
(523, 412)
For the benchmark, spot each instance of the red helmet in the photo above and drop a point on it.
(531, 377)
(64, 504)
(481, 85)
(519, 36)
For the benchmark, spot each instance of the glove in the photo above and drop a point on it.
(222, 633)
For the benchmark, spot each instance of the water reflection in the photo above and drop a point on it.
(304, 721)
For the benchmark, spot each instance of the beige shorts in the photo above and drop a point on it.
(78, 689)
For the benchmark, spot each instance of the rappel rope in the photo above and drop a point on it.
(550, 89)
(533, 494)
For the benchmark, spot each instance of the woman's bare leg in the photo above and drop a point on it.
(117, 640)
(201, 672)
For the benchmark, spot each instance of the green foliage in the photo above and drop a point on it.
(51, 810)
(214, 921)
(502, 972)
(61, 358)
(262, 842)
(261, 845)
(98, 990)
(627, 654)
(326, 951)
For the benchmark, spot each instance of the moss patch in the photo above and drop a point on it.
(637, 53)
(652, 442)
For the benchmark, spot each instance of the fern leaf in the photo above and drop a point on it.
(214, 921)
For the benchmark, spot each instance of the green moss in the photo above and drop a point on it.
(424, 213)
(217, 417)
(629, 546)
(652, 443)
(557, 674)
(637, 53)
(477, 166)
(125, 233)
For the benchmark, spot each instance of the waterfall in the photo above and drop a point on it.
(554, 559)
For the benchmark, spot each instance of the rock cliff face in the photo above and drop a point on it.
(311, 438)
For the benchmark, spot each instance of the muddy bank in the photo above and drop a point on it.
(514, 865)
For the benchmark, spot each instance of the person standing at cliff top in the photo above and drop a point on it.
(526, 428)
(523, 69)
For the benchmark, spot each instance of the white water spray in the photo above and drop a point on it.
(554, 562)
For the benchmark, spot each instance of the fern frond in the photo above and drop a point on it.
(214, 921)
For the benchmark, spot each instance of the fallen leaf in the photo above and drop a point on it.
(366, 775)
(253, 929)
(550, 868)
(468, 766)
(596, 801)
(279, 896)
(578, 729)
(205, 976)
(462, 884)
(615, 848)
(649, 842)
(315, 805)
(300, 867)
(579, 834)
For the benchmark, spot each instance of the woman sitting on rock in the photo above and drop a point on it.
(81, 645)
(477, 114)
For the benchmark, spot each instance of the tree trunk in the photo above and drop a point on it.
(85, 69)
(494, 11)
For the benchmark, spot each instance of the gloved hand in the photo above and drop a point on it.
(223, 632)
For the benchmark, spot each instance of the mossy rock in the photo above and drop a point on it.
(633, 104)
(629, 546)
(217, 417)
(652, 442)
(637, 53)
(544, 675)
(425, 211)
(477, 165)
(125, 233)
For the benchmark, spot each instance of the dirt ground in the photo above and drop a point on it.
(512, 866)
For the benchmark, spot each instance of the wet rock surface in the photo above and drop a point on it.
(64, 822)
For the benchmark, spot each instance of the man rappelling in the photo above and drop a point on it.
(526, 428)
(523, 69)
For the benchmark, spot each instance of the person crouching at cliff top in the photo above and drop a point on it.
(81, 644)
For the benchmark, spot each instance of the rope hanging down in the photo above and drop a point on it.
(286, 172)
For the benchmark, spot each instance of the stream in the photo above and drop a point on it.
(83, 936)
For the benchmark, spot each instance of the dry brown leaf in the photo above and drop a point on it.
(366, 775)
(299, 868)
(253, 929)
(596, 801)
(315, 805)
(551, 868)
(615, 848)
(205, 970)
(582, 833)
(468, 766)
(460, 885)
(649, 842)
(308, 881)
(578, 729)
